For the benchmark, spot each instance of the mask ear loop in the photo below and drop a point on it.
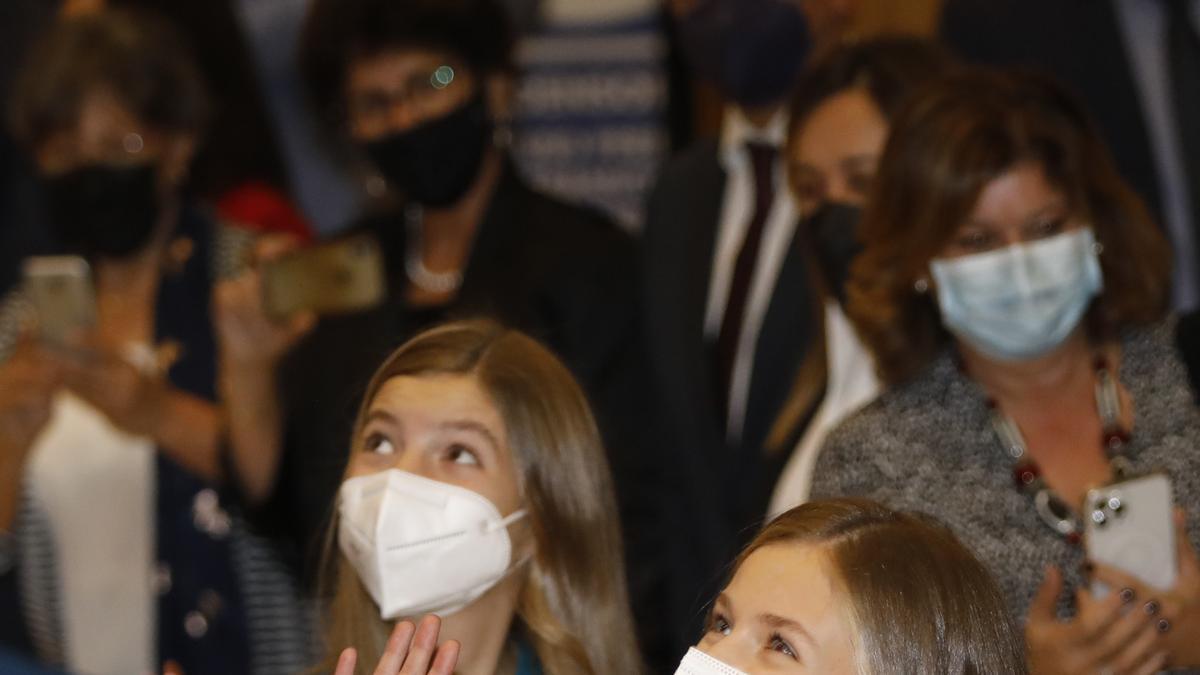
(504, 523)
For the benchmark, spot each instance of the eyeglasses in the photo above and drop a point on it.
(421, 94)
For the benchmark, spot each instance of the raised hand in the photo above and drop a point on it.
(1113, 635)
(411, 650)
(1177, 610)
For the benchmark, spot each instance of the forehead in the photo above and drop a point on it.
(846, 123)
(433, 398)
(793, 581)
(1016, 194)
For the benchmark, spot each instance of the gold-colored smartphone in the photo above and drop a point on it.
(63, 297)
(338, 277)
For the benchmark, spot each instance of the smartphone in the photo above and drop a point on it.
(1130, 526)
(337, 277)
(63, 297)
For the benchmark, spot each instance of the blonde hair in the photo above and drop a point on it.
(919, 599)
(573, 608)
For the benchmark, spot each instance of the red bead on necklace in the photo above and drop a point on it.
(1027, 476)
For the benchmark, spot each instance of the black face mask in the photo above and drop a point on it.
(435, 163)
(833, 231)
(105, 211)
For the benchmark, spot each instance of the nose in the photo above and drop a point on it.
(412, 462)
(731, 651)
(402, 117)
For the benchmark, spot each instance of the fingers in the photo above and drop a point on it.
(1044, 601)
(1130, 640)
(1189, 563)
(1097, 616)
(346, 662)
(1120, 579)
(447, 659)
(396, 650)
(1154, 664)
(172, 668)
(410, 650)
(300, 324)
(424, 644)
(1137, 651)
(274, 246)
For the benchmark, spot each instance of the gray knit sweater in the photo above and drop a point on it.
(928, 446)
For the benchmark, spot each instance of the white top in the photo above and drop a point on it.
(737, 208)
(95, 484)
(851, 384)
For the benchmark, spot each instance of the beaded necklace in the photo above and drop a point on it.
(1028, 476)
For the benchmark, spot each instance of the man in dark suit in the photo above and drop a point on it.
(1136, 66)
(727, 307)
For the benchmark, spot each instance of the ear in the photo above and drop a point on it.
(499, 91)
(177, 159)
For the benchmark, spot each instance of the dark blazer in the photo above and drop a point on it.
(719, 493)
(1078, 42)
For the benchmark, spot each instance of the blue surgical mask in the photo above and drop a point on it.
(1021, 301)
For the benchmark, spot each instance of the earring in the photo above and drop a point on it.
(921, 286)
(1097, 248)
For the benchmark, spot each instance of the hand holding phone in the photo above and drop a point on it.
(337, 277)
(63, 297)
(1130, 528)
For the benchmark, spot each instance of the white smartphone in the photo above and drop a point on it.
(63, 297)
(1131, 527)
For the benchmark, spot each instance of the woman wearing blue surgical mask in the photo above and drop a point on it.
(477, 490)
(1013, 290)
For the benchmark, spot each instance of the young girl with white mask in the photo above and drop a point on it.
(1013, 290)
(478, 491)
(851, 587)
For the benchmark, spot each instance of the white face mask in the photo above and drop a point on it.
(1023, 300)
(421, 546)
(696, 662)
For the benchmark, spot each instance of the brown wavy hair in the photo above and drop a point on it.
(573, 608)
(919, 600)
(947, 143)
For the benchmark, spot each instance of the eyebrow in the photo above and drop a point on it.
(471, 425)
(382, 415)
(854, 161)
(776, 622)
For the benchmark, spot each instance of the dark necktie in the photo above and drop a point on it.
(1183, 58)
(762, 159)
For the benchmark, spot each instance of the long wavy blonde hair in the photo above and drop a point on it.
(573, 608)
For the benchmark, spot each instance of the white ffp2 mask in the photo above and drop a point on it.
(1023, 300)
(696, 662)
(421, 546)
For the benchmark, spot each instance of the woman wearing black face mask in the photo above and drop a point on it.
(111, 442)
(423, 88)
(839, 124)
